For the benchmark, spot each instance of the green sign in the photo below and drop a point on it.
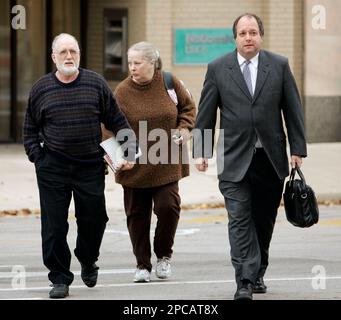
(201, 46)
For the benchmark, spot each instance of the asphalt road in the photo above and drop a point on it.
(305, 264)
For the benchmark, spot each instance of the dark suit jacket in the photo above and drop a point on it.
(243, 117)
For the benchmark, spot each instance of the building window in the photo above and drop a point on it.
(115, 44)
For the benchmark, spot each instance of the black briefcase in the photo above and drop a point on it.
(300, 201)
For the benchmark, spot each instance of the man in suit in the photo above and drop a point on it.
(254, 90)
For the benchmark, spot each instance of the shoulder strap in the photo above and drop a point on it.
(168, 80)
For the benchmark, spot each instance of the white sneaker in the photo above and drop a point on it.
(163, 268)
(142, 275)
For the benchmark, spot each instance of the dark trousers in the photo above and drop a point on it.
(58, 181)
(252, 206)
(138, 204)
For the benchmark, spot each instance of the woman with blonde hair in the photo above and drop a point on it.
(153, 185)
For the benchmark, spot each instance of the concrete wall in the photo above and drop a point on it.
(313, 54)
(282, 20)
(155, 20)
(284, 33)
(323, 71)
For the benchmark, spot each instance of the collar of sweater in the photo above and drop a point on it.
(147, 85)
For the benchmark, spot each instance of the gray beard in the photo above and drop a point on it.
(67, 71)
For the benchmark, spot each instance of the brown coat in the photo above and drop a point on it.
(152, 104)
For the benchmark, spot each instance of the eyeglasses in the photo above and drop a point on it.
(64, 53)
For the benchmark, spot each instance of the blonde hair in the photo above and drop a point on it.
(149, 53)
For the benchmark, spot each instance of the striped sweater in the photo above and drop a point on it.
(67, 117)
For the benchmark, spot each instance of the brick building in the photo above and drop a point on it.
(306, 31)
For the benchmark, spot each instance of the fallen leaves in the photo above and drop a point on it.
(27, 212)
(20, 212)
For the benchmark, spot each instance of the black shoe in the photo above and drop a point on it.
(244, 292)
(59, 291)
(89, 274)
(259, 286)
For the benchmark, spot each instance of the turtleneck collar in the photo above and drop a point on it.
(148, 84)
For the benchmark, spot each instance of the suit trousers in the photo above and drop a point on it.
(58, 181)
(252, 205)
(138, 204)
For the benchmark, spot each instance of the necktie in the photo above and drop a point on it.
(247, 76)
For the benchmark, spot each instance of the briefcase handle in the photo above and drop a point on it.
(300, 173)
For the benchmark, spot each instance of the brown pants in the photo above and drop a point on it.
(138, 204)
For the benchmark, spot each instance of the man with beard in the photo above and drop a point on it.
(62, 133)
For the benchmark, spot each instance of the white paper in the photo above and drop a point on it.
(113, 149)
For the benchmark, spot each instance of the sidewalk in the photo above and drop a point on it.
(18, 188)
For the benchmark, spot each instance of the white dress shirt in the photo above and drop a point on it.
(253, 66)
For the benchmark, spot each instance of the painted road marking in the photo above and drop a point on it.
(166, 283)
(9, 275)
(33, 298)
